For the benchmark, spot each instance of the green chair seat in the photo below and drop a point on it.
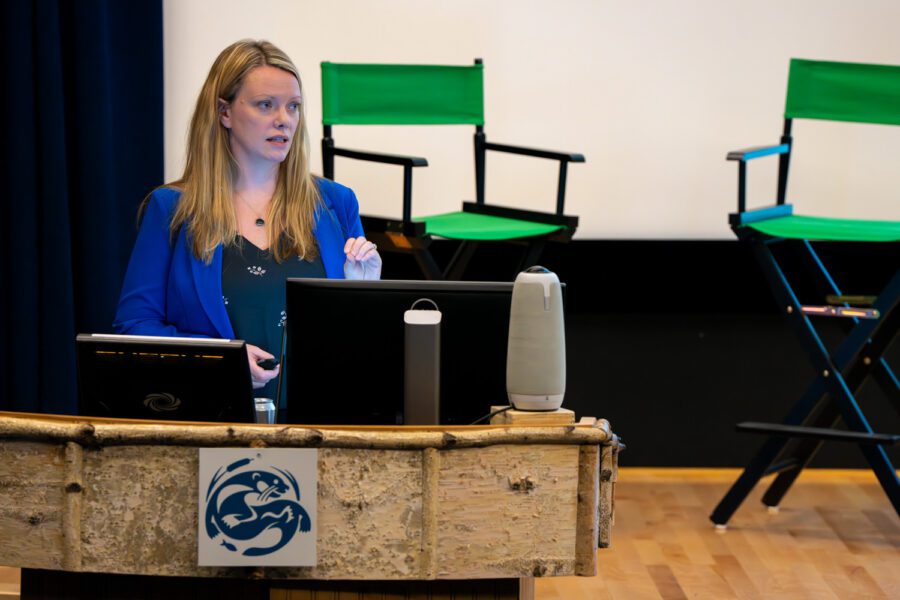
(474, 226)
(828, 229)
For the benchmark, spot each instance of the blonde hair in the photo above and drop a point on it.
(206, 207)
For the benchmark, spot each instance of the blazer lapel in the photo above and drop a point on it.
(331, 238)
(208, 282)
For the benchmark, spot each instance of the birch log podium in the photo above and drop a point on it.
(80, 495)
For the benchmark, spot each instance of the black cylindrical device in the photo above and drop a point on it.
(422, 368)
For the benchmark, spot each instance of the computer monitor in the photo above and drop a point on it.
(164, 378)
(345, 349)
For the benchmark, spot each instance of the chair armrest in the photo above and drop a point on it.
(407, 162)
(563, 156)
(391, 159)
(742, 156)
(746, 154)
(564, 159)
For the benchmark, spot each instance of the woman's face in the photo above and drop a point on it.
(263, 116)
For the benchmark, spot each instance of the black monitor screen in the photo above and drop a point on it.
(164, 378)
(345, 349)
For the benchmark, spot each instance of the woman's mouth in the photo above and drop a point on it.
(277, 139)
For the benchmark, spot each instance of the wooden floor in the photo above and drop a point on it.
(9, 583)
(836, 536)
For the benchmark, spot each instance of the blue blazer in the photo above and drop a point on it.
(168, 291)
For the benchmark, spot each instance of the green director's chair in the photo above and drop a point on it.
(783, 241)
(374, 94)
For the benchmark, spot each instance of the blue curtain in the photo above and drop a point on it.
(82, 130)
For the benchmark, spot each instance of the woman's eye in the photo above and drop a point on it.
(294, 106)
(265, 104)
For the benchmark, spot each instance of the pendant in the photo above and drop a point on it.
(260, 222)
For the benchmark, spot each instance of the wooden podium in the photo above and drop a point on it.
(440, 505)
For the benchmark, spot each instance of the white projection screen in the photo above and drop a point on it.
(653, 93)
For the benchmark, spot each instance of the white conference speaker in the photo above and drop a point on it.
(536, 358)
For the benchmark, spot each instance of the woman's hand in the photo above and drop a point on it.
(259, 376)
(363, 260)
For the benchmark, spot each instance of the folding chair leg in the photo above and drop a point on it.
(457, 265)
(835, 383)
(532, 254)
(753, 472)
(889, 382)
(857, 339)
(830, 417)
(768, 455)
(427, 264)
(766, 461)
(801, 456)
(869, 339)
(884, 472)
(873, 342)
(876, 456)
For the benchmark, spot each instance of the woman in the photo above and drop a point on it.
(215, 247)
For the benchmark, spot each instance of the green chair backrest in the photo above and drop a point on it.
(359, 94)
(839, 91)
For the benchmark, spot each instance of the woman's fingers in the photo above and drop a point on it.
(359, 249)
(257, 353)
(259, 376)
(363, 260)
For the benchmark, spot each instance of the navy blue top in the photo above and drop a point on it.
(168, 291)
(253, 291)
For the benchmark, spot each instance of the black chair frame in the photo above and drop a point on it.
(830, 398)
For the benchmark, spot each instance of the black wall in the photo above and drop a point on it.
(676, 341)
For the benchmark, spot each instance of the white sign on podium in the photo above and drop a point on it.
(257, 507)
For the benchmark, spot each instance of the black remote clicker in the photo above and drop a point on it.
(267, 363)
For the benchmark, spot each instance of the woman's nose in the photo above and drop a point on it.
(281, 118)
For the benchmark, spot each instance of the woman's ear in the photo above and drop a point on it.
(224, 113)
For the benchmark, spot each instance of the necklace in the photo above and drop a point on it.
(260, 222)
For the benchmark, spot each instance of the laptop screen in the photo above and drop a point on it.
(164, 378)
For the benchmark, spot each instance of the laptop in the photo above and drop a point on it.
(164, 378)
